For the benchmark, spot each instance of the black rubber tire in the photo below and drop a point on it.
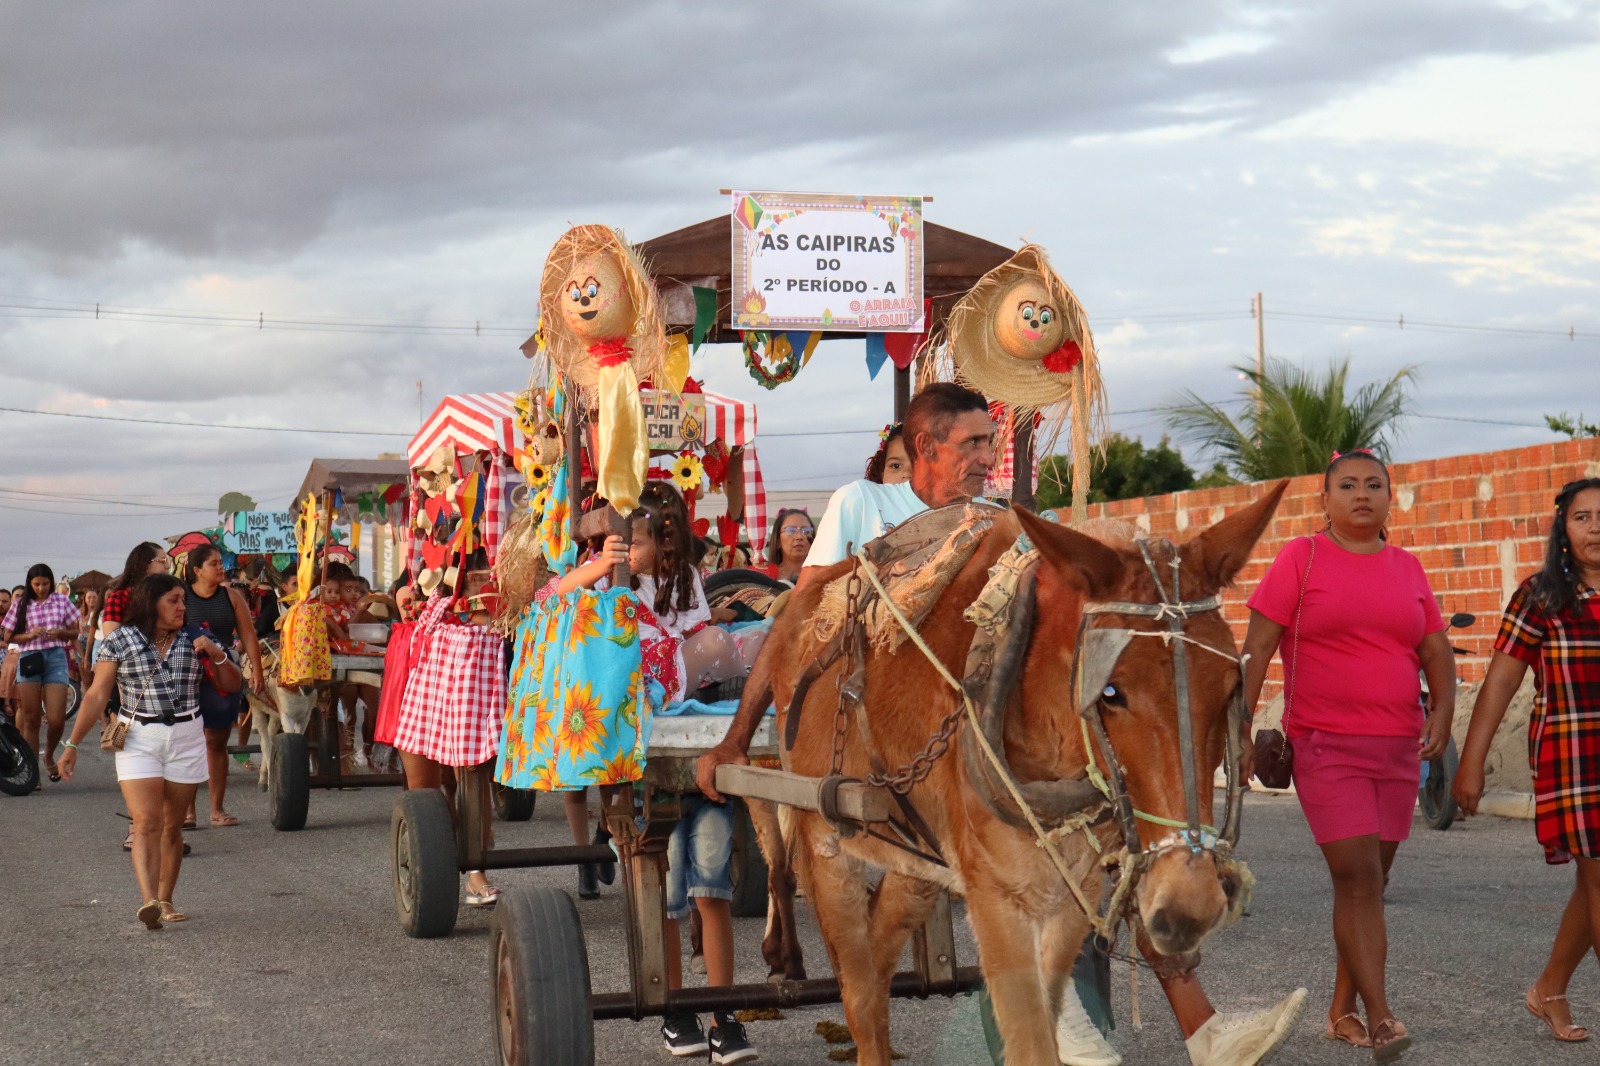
(539, 981)
(1434, 797)
(724, 581)
(74, 698)
(427, 886)
(748, 866)
(513, 804)
(19, 763)
(289, 783)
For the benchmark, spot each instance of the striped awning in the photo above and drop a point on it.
(471, 422)
(487, 422)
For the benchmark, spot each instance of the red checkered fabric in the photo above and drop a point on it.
(456, 693)
(1564, 728)
(1001, 476)
(493, 509)
(755, 503)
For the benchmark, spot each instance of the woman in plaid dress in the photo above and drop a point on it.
(1553, 625)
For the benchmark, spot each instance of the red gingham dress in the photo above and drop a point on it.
(455, 695)
(1564, 728)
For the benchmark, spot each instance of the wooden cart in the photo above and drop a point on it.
(545, 1007)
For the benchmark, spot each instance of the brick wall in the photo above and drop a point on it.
(1477, 523)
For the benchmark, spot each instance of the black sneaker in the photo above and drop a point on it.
(728, 1043)
(683, 1035)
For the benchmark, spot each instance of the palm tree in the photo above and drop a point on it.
(1295, 419)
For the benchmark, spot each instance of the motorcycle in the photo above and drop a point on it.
(19, 765)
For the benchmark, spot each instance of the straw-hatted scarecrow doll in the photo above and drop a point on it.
(578, 713)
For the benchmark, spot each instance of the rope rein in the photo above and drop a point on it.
(1043, 838)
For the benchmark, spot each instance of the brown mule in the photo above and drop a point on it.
(1017, 902)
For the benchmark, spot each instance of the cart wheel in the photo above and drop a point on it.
(289, 782)
(513, 804)
(19, 765)
(427, 886)
(541, 981)
(749, 867)
(1438, 805)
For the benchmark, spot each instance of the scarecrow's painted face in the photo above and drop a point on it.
(1028, 322)
(595, 301)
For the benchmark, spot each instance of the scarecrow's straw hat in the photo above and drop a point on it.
(646, 334)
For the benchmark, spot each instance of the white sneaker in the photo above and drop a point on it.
(1079, 1041)
(1245, 1038)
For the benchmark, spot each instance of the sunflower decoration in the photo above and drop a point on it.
(535, 473)
(687, 472)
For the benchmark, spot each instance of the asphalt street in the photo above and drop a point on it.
(293, 954)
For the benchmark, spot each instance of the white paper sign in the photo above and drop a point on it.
(809, 261)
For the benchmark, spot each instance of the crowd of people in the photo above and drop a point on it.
(1352, 617)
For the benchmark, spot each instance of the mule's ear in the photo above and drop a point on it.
(1084, 560)
(1220, 552)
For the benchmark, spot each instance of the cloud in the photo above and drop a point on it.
(251, 131)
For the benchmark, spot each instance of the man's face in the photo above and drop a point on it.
(958, 465)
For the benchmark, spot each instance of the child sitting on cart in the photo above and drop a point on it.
(683, 652)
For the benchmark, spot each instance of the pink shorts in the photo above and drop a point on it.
(1352, 786)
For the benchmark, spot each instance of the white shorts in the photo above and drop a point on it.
(174, 752)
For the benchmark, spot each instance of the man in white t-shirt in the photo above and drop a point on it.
(950, 437)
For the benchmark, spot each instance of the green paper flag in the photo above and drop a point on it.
(705, 314)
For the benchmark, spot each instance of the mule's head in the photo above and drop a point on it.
(1182, 894)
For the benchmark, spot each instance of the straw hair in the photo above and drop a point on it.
(569, 352)
(519, 571)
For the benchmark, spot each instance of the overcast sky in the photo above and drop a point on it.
(412, 163)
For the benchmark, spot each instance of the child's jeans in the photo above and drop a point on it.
(699, 854)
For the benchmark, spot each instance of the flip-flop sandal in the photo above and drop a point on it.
(191, 825)
(1361, 1039)
(1398, 1043)
(127, 841)
(225, 821)
(150, 915)
(1568, 1034)
(169, 913)
(487, 896)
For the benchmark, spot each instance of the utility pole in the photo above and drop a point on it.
(1261, 336)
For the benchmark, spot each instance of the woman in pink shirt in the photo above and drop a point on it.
(1354, 620)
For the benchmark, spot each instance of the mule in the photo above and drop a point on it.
(1026, 921)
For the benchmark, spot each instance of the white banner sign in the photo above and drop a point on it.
(808, 261)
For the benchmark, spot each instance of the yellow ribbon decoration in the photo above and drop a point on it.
(624, 450)
(676, 370)
(305, 539)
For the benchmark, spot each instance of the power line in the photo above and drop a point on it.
(258, 320)
(70, 498)
(205, 425)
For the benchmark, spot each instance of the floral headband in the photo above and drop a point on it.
(888, 431)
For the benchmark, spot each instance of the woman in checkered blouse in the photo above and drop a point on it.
(44, 622)
(1553, 624)
(157, 667)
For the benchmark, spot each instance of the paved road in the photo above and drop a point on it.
(293, 954)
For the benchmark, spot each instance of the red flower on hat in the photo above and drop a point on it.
(612, 352)
(1064, 358)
